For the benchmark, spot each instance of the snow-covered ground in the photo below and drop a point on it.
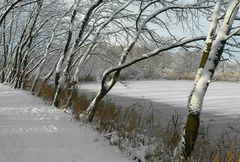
(30, 131)
(222, 98)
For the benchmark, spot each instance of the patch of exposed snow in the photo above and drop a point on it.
(34, 132)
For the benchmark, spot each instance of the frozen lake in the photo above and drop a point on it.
(221, 105)
(222, 98)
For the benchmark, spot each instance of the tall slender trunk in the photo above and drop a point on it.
(5, 52)
(14, 60)
(28, 43)
(106, 87)
(208, 44)
(190, 131)
(65, 78)
(41, 66)
(96, 40)
(67, 44)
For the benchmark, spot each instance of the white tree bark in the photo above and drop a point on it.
(24, 39)
(41, 66)
(96, 40)
(69, 38)
(190, 131)
(65, 76)
(209, 39)
(88, 51)
(106, 87)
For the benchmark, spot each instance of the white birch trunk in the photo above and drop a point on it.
(63, 55)
(105, 88)
(23, 41)
(95, 42)
(208, 44)
(41, 66)
(65, 76)
(190, 131)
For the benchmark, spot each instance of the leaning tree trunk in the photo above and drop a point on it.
(67, 44)
(29, 40)
(5, 53)
(65, 78)
(208, 45)
(24, 38)
(205, 54)
(96, 40)
(106, 87)
(190, 131)
(41, 66)
(12, 68)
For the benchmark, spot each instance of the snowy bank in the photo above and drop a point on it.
(32, 131)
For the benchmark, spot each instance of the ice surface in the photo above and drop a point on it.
(222, 98)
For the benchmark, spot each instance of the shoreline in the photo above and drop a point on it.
(214, 125)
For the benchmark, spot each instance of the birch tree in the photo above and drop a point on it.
(67, 44)
(23, 41)
(43, 62)
(93, 45)
(115, 71)
(26, 36)
(211, 57)
(65, 77)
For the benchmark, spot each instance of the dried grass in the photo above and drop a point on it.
(106, 116)
(79, 105)
(129, 123)
(45, 91)
(227, 76)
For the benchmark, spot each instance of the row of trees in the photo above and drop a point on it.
(51, 41)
